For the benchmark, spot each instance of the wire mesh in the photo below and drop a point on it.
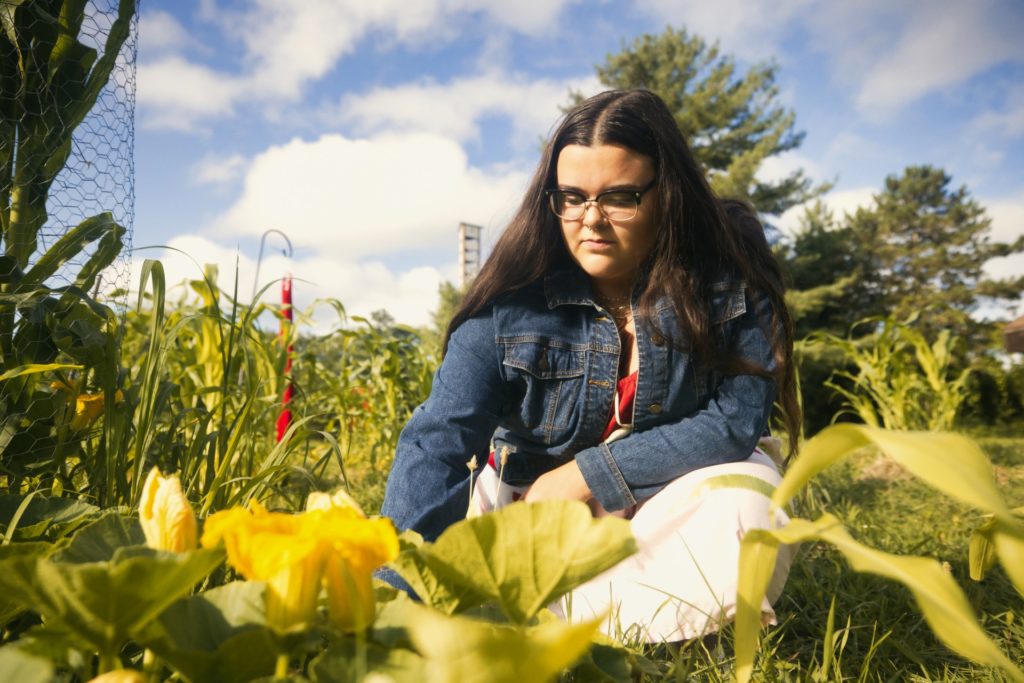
(67, 104)
(100, 170)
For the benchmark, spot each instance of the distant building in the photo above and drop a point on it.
(1013, 334)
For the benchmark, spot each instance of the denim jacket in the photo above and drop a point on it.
(536, 373)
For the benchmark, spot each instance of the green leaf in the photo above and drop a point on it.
(100, 540)
(35, 368)
(106, 603)
(604, 663)
(981, 552)
(44, 513)
(218, 635)
(106, 252)
(16, 665)
(951, 463)
(461, 650)
(350, 661)
(68, 247)
(11, 608)
(943, 604)
(523, 557)
(1009, 543)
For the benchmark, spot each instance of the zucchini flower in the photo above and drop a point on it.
(88, 406)
(165, 515)
(359, 546)
(281, 549)
(120, 676)
(318, 500)
(296, 553)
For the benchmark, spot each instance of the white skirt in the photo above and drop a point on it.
(681, 584)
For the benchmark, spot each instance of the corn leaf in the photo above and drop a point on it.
(996, 539)
(981, 552)
(940, 599)
(758, 552)
(34, 368)
(951, 463)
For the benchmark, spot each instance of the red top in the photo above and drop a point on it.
(626, 394)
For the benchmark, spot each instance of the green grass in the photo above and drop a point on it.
(879, 635)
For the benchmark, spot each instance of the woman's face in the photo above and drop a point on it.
(609, 251)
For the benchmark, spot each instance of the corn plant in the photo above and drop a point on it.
(899, 379)
(57, 344)
(950, 463)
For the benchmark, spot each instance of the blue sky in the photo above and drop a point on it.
(367, 129)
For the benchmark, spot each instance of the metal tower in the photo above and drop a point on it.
(469, 252)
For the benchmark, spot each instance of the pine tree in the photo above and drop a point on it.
(732, 122)
(822, 269)
(926, 245)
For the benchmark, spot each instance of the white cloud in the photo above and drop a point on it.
(218, 171)
(1006, 121)
(355, 198)
(751, 30)
(288, 43)
(159, 31)
(454, 109)
(1007, 216)
(886, 54)
(362, 287)
(840, 202)
(940, 48)
(781, 166)
(176, 94)
(351, 201)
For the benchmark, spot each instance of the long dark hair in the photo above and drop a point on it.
(701, 238)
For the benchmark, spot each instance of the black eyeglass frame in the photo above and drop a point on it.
(637, 195)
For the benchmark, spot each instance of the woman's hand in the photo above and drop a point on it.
(562, 483)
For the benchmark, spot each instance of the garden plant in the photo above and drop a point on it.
(155, 528)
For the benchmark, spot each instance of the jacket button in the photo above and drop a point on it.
(657, 339)
(654, 408)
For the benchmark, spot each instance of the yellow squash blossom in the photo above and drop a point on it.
(121, 676)
(359, 546)
(88, 406)
(294, 553)
(318, 500)
(165, 515)
(279, 549)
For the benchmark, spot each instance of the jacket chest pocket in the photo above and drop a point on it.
(549, 379)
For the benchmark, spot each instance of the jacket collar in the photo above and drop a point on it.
(568, 286)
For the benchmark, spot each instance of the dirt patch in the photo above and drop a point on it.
(883, 469)
(1004, 475)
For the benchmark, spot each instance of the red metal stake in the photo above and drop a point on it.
(284, 420)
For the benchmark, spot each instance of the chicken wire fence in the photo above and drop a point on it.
(67, 103)
(39, 112)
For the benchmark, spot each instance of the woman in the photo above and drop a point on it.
(627, 336)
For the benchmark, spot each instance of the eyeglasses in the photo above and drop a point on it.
(615, 205)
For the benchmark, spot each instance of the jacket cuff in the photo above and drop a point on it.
(604, 478)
